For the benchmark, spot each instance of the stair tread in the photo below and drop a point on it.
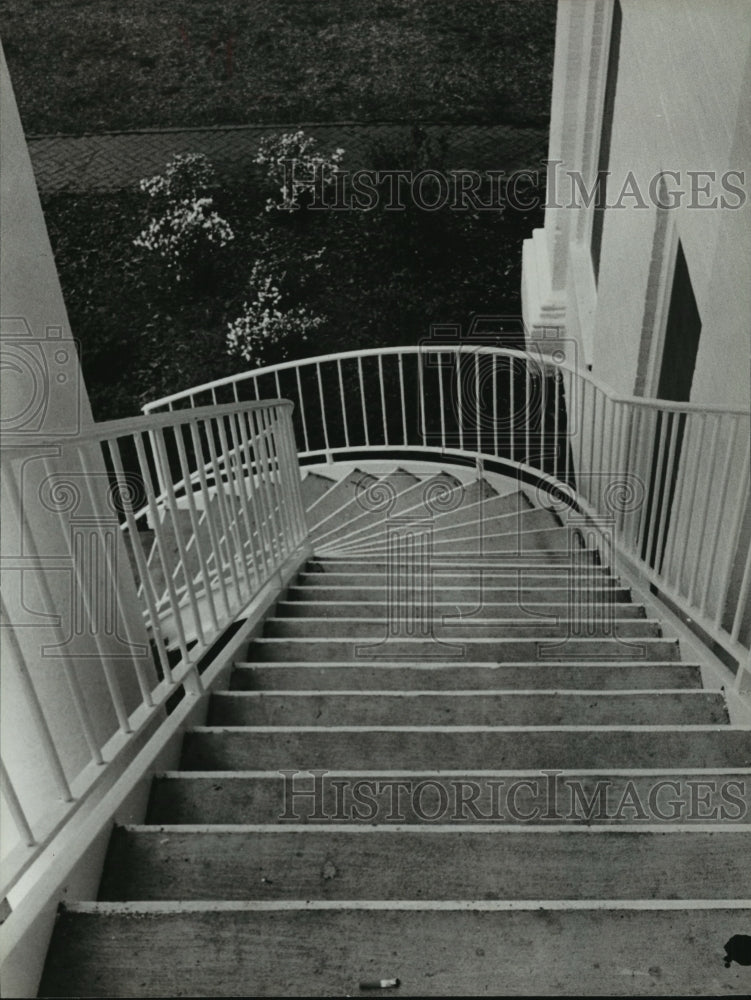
(271, 949)
(496, 708)
(425, 862)
(260, 797)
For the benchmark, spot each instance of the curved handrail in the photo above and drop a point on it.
(562, 365)
(671, 478)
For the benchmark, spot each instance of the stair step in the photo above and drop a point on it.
(465, 798)
(447, 526)
(319, 590)
(470, 611)
(441, 490)
(497, 650)
(459, 629)
(461, 708)
(423, 862)
(470, 747)
(326, 949)
(373, 504)
(447, 676)
(338, 496)
(376, 572)
(313, 487)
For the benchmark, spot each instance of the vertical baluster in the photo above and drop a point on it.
(383, 400)
(301, 410)
(419, 357)
(657, 484)
(621, 462)
(684, 423)
(102, 517)
(647, 435)
(698, 561)
(527, 411)
(181, 549)
(238, 504)
(261, 419)
(228, 525)
(341, 399)
(673, 419)
(195, 526)
(512, 408)
(323, 411)
(459, 395)
(631, 518)
(216, 550)
(283, 526)
(495, 358)
(362, 402)
(290, 477)
(544, 373)
(600, 468)
(690, 505)
(39, 721)
(147, 585)
(478, 440)
(556, 429)
(400, 361)
(441, 400)
(253, 497)
(737, 508)
(719, 519)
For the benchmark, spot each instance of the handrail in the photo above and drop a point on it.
(671, 479)
(563, 365)
(204, 506)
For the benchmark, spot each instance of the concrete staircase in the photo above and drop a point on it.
(459, 755)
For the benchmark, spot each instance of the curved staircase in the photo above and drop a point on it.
(459, 755)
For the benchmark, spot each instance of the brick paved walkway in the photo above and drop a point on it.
(116, 160)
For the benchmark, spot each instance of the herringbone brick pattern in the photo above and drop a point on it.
(116, 160)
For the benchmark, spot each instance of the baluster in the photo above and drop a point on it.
(725, 482)
(301, 410)
(400, 361)
(658, 487)
(362, 402)
(238, 505)
(182, 552)
(690, 504)
(210, 514)
(226, 512)
(383, 400)
(177, 432)
(705, 511)
(323, 412)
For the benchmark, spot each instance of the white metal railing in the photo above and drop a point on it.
(205, 505)
(671, 479)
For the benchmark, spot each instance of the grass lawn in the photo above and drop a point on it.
(92, 65)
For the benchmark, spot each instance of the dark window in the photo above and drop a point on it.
(606, 133)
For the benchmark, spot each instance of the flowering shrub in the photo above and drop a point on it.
(293, 166)
(262, 333)
(186, 228)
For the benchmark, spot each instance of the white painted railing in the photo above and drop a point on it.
(204, 507)
(671, 480)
